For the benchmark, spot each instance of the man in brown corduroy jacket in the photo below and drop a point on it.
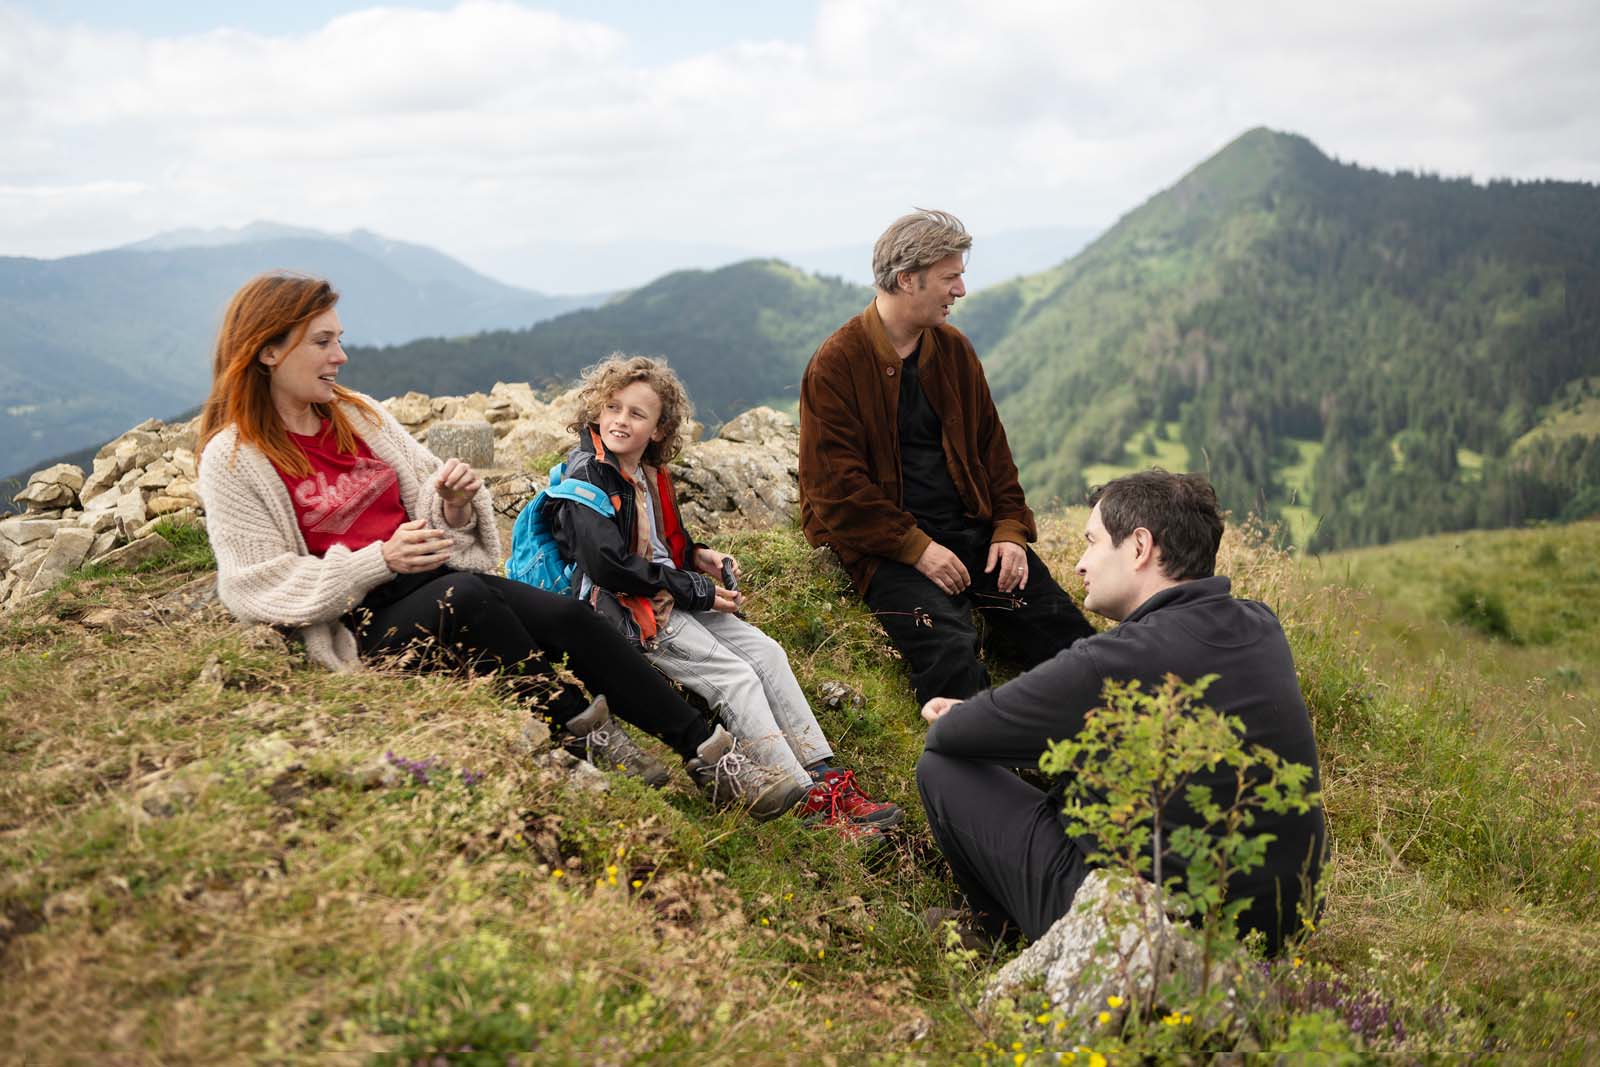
(906, 474)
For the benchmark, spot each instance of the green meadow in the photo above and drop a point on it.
(198, 864)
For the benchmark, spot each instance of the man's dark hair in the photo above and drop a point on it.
(1179, 510)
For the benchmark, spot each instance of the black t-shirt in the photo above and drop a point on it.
(930, 493)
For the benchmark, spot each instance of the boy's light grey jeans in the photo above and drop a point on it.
(745, 676)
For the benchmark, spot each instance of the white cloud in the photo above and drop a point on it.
(495, 122)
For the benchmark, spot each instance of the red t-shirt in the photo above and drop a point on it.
(347, 500)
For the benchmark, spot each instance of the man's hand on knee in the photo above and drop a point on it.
(937, 707)
(943, 568)
(1013, 564)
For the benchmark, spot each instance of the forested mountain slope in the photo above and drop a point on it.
(1392, 335)
(739, 336)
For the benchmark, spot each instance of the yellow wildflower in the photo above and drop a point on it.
(1114, 1001)
(558, 873)
(1042, 1017)
(1020, 1058)
(1104, 1017)
(1096, 1060)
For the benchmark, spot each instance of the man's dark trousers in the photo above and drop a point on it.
(934, 631)
(1004, 843)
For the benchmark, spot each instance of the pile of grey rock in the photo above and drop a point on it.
(109, 515)
(745, 478)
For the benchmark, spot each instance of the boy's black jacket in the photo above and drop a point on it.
(601, 547)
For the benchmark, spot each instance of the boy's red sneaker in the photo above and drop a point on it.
(836, 796)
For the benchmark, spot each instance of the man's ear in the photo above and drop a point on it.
(1144, 546)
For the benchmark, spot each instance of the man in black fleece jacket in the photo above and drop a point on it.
(1151, 550)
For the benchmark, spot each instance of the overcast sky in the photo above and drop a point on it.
(486, 125)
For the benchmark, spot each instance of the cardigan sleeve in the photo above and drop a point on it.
(473, 547)
(263, 574)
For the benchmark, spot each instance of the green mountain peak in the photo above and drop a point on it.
(1324, 339)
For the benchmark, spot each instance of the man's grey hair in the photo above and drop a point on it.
(916, 242)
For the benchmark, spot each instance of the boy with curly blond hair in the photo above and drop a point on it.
(641, 569)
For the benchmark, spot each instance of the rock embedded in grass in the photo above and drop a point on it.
(1101, 949)
(134, 553)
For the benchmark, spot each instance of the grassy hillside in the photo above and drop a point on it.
(189, 873)
(1575, 412)
(1520, 607)
(1274, 297)
(739, 336)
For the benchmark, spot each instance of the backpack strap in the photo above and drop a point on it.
(580, 492)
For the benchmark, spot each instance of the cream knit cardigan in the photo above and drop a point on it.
(266, 574)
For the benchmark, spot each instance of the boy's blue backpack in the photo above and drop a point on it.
(535, 557)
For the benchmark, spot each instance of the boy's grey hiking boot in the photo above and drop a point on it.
(729, 777)
(599, 738)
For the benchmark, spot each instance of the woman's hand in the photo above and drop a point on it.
(414, 548)
(456, 484)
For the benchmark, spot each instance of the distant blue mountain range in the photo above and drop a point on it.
(92, 344)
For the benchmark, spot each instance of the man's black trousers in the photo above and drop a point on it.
(935, 633)
(1017, 867)
(482, 622)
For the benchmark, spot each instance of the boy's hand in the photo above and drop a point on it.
(727, 601)
(709, 561)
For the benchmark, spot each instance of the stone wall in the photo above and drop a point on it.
(745, 478)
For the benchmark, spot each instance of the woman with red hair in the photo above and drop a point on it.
(326, 517)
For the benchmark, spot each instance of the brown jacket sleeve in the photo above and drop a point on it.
(847, 505)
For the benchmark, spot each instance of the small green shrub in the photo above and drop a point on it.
(1482, 611)
(1135, 758)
